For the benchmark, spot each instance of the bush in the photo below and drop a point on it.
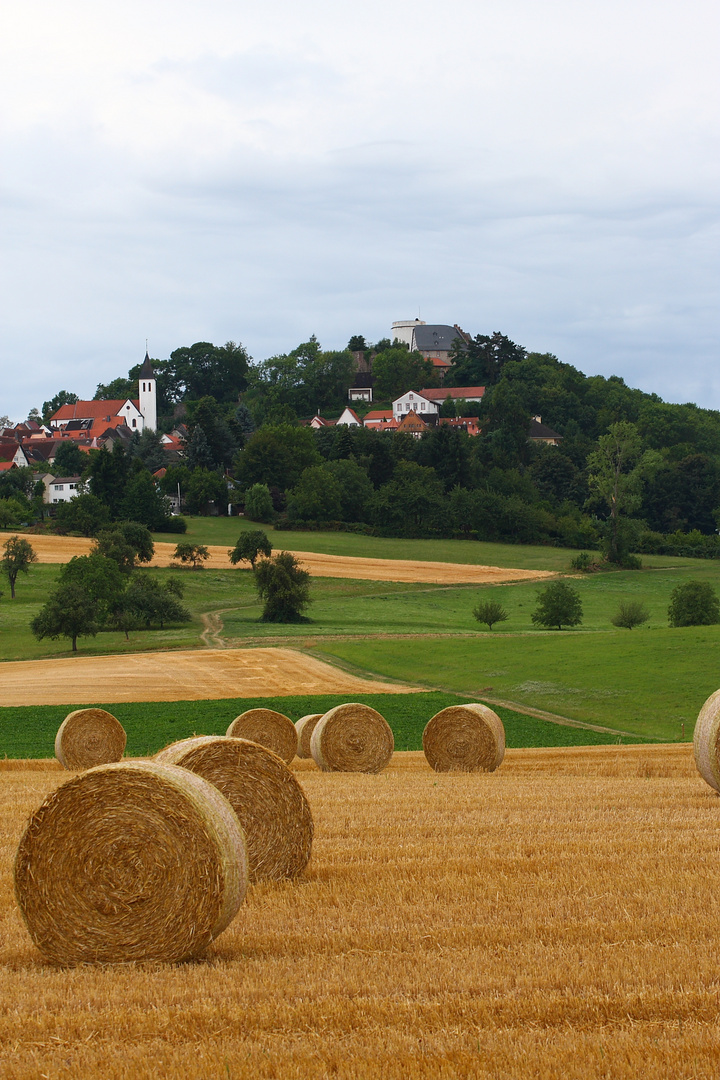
(173, 525)
(630, 613)
(558, 605)
(583, 561)
(694, 604)
(490, 612)
(258, 503)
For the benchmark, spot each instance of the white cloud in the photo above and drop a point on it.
(186, 173)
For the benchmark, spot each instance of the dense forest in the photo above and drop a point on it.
(632, 474)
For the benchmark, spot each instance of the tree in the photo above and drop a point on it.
(412, 503)
(108, 476)
(480, 361)
(397, 370)
(615, 472)
(695, 603)
(18, 558)
(277, 455)
(630, 613)
(100, 579)
(258, 503)
(284, 587)
(63, 397)
(490, 612)
(69, 459)
(316, 496)
(250, 544)
(149, 448)
(85, 514)
(558, 605)
(205, 369)
(127, 543)
(147, 600)
(355, 489)
(243, 416)
(191, 554)
(203, 488)
(142, 502)
(69, 612)
(116, 390)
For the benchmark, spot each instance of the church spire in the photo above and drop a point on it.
(146, 371)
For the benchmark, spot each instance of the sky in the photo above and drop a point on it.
(180, 172)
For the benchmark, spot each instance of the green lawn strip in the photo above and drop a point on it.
(645, 681)
(30, 732)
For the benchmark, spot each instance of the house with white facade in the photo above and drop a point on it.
(428, 402)
(61, 489)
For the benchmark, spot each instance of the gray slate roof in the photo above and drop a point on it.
(434, 336)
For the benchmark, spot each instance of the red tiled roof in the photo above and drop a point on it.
(5, 465)
(379, 414)
(92, 410)
(454, 392)
(411, 422)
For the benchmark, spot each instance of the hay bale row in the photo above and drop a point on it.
(130, 862)
(706, 741)
(268, 800)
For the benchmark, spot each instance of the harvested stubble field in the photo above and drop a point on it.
(555, 918)
(60, 549)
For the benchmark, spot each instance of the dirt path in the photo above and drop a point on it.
(184, 675)
(60, 549)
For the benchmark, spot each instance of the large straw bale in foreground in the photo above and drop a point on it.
(464, 738)
(352, 738)
(130, 862)
(89, 737)
(268, 728)
(264, 794)
(706, 741)
(305, 727)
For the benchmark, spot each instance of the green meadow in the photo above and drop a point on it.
(651, 680)
(30, 732)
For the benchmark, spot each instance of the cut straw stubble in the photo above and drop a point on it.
(269, 802)
(89, 737)
(130, 862)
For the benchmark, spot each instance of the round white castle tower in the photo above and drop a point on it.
(148, 395)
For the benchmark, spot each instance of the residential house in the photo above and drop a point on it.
(62, 489)
(540, 432)
(349, 417)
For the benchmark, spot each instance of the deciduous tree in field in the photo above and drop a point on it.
(69, 612)
(284, 587)
(249, 546)
(193, 555)
(17, 559)
(631, 613)
(558, 605)
(490, 612)
(695, 603)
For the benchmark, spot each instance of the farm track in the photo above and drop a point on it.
(60, 549)
(551, 919)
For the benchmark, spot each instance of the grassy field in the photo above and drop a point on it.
(553, 919)
(651, 680)
(29, 732)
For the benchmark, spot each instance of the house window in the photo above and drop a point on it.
(58, 487)
(422, 406)
(134, 423)
(71, 486)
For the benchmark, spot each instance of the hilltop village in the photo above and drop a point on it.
(428, 432)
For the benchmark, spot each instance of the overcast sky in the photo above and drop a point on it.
(184, 172)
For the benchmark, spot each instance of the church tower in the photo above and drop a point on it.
(148, 395)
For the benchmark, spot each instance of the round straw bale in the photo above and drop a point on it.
(130, 862)
(464, 738)
(268, 728)
(264, 794)
(89, 737)
(706, 741)
(305, 727)
(352, 738)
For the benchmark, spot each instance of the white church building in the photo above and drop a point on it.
(88, 419)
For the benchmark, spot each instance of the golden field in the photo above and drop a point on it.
(554, 919)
